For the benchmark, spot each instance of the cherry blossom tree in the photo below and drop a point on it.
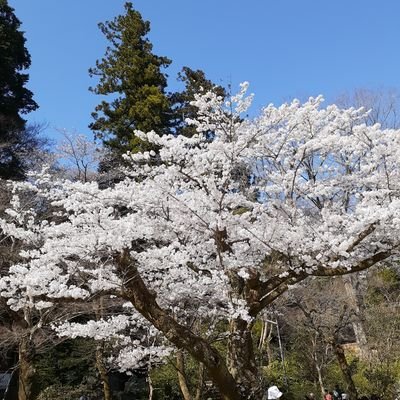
(124, 341)
(25, 329)
(221, 225)
(80, 155)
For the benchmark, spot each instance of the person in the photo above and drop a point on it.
(274, 393)
(345, 396)
(336, 394)
(328, 396)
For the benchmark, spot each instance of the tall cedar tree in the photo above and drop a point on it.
(132, 75)
(15, 98)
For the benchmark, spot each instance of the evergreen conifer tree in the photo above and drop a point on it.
(131, 75)
(15, 98)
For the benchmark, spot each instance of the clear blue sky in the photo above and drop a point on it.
(284, 48)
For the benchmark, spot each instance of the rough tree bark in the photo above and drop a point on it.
(241, 359)
(103, 372)
(26, 369)
(100, 365)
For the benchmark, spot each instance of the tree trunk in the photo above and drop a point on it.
(101, 368)
(241, 360)
(265, 341)
(353, 291)
(317, 364)
(26, 369)
(180, 366)
(151, 389)
(103, 372)
(320, 380)
(344, 367)
(200, 382)
(268, 344)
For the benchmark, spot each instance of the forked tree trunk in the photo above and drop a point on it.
(344, 367)
(26, 369)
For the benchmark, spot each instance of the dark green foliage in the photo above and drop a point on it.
(132, 76)
(384, 286)
(69, 364)
(24, 150)
(67, 371)
(15, 98)
(67, 392)
(195, 82)
(124, 387)
(298, 382)
(165, 381)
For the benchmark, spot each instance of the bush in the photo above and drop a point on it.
(66, 392)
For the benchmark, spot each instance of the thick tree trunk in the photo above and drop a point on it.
(26, 369)
(344, 367)
(241, 360)
(180, 366)
(101, 368)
